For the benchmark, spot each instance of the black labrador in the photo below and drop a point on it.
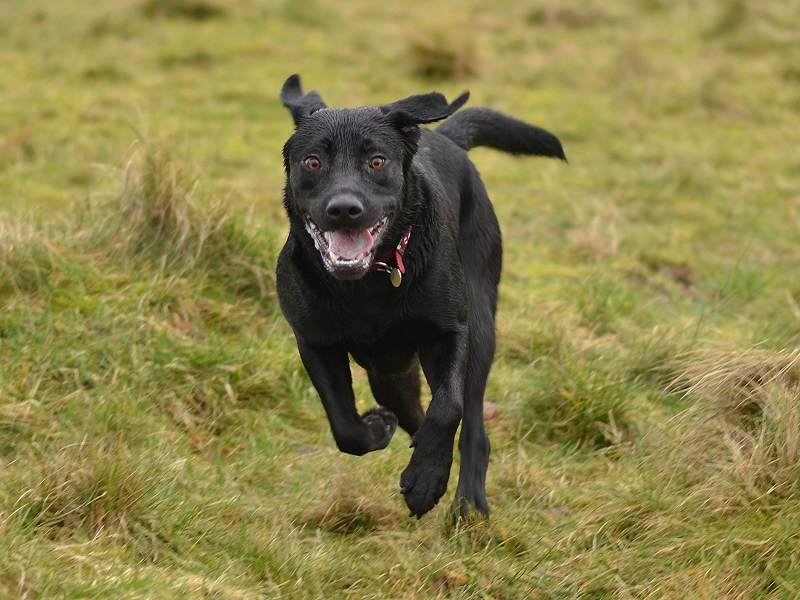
(393, 257)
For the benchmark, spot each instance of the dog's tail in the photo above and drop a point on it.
(474, 127)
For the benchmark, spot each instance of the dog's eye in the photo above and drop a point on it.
(312, 163)
(377, 162)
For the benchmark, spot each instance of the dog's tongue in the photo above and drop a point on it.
(349, 244)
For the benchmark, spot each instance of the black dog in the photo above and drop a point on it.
(393, 257)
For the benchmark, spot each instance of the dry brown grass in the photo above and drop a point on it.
(743, 431)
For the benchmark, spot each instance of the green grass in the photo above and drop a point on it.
(158, 435)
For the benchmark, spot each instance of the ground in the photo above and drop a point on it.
(158, 436)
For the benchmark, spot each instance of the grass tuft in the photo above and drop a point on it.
(346, 513)
(159, 215)
(655, 359)
(570, 17)
(577, 402)
(194, 10)
(90, 486)
(27, 260)
(732, 16)
(441, 55)
(746, 418)
(734, 381)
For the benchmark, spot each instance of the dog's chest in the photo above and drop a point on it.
(390, 350)
(365, 324)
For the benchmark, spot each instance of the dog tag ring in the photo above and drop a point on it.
(396, 272)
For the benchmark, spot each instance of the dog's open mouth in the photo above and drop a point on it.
(347, 253)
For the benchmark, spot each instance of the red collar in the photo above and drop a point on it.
(395, 273)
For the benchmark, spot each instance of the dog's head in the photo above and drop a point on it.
(346, 170)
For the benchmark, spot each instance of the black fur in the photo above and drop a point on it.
(299, 104)
(441, 318)
(475, 127)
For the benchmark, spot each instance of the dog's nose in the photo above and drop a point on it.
(344, 208)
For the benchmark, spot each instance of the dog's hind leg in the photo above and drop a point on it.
(399, 392)
(481, 251)
(473, 443)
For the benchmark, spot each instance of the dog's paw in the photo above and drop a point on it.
(424, 481)
(381, 423)
(468, 509)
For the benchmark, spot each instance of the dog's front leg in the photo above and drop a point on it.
(329, 370)
(424, 481)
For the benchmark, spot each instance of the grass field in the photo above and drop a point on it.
(158, 435)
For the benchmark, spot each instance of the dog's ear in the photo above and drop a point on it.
(423, 108)
(299, 104)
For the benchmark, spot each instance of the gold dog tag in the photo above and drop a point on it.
(396, 277)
